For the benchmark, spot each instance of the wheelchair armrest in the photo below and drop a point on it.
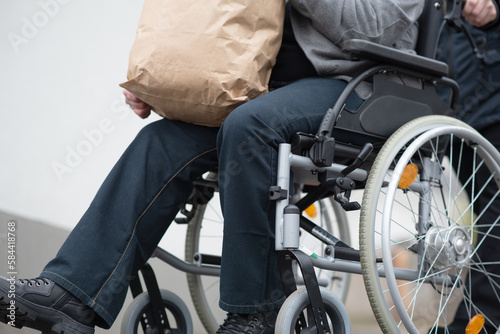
(371, 51)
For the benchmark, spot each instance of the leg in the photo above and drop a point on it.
(247, 145)
(130, 213)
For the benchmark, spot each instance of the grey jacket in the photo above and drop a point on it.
(321, 26)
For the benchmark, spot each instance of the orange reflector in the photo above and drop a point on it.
(409, 176)
(475, 324)
(311, 211)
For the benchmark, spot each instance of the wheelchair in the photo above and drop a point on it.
(421, 172)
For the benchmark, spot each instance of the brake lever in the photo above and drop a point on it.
(453, 13)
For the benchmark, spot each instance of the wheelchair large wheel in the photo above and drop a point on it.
(298, 302)
(135, 319)
(204, 235)
(421, 230)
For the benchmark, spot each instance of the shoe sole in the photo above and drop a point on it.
(46, 320)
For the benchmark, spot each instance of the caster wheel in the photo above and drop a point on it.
(135, 319)
(297, 302)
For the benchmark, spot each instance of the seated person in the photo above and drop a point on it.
(86, 283)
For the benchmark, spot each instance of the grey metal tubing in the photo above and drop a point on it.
(419, 187)
(320, 262)
(184, 266)
(355, 268)
(286, 161)
(283, 181)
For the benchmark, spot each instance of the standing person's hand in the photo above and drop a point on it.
(141, 108)
(479, 12)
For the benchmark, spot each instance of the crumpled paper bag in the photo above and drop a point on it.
(196, 61)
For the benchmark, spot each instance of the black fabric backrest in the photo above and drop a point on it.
(429, 24)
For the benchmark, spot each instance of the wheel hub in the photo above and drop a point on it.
(448, 247)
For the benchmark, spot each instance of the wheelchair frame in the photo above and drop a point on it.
(316, 164)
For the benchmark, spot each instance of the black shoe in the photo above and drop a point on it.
(257, 323)
(43, 305)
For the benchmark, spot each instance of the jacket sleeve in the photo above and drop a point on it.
(379, 21)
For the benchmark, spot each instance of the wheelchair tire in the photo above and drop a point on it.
(204, 235)
(430, 235)
(175, 307)
(298, 302)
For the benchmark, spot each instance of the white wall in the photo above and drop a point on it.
(63, 120)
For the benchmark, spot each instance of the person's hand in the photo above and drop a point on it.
(479, 12)
(141, 108)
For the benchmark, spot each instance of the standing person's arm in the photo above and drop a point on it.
(481, 13)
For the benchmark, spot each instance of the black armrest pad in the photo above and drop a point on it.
(371, 51)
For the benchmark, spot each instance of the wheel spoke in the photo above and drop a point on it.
(435, 228)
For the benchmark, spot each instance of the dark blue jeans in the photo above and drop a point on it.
(140, 197)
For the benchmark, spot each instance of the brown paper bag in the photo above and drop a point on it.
(197, 60)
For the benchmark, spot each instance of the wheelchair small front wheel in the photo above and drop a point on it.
(135, 319)
(298, 302)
